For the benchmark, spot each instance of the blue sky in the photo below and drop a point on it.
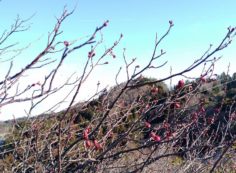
(197, 24)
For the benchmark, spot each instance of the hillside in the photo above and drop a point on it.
(193, 129)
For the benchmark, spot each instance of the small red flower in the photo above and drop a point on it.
(66, 43)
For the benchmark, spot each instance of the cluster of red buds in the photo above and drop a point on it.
(88, 142)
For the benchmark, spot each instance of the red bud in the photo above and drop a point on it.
(66, 43)
(85, 134)
(177, 105)
(97, 145)
(155, 137)
(147, 124)
(106, 23)
(166, 125)
(203, 79)
(88, 144)
(91, 54)
(180, 84)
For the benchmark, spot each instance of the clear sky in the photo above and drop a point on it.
(197, 24)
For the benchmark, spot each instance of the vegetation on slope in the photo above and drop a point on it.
(195, 127)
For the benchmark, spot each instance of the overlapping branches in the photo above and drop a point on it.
(139, 119)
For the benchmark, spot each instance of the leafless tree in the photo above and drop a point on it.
(129, 128)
